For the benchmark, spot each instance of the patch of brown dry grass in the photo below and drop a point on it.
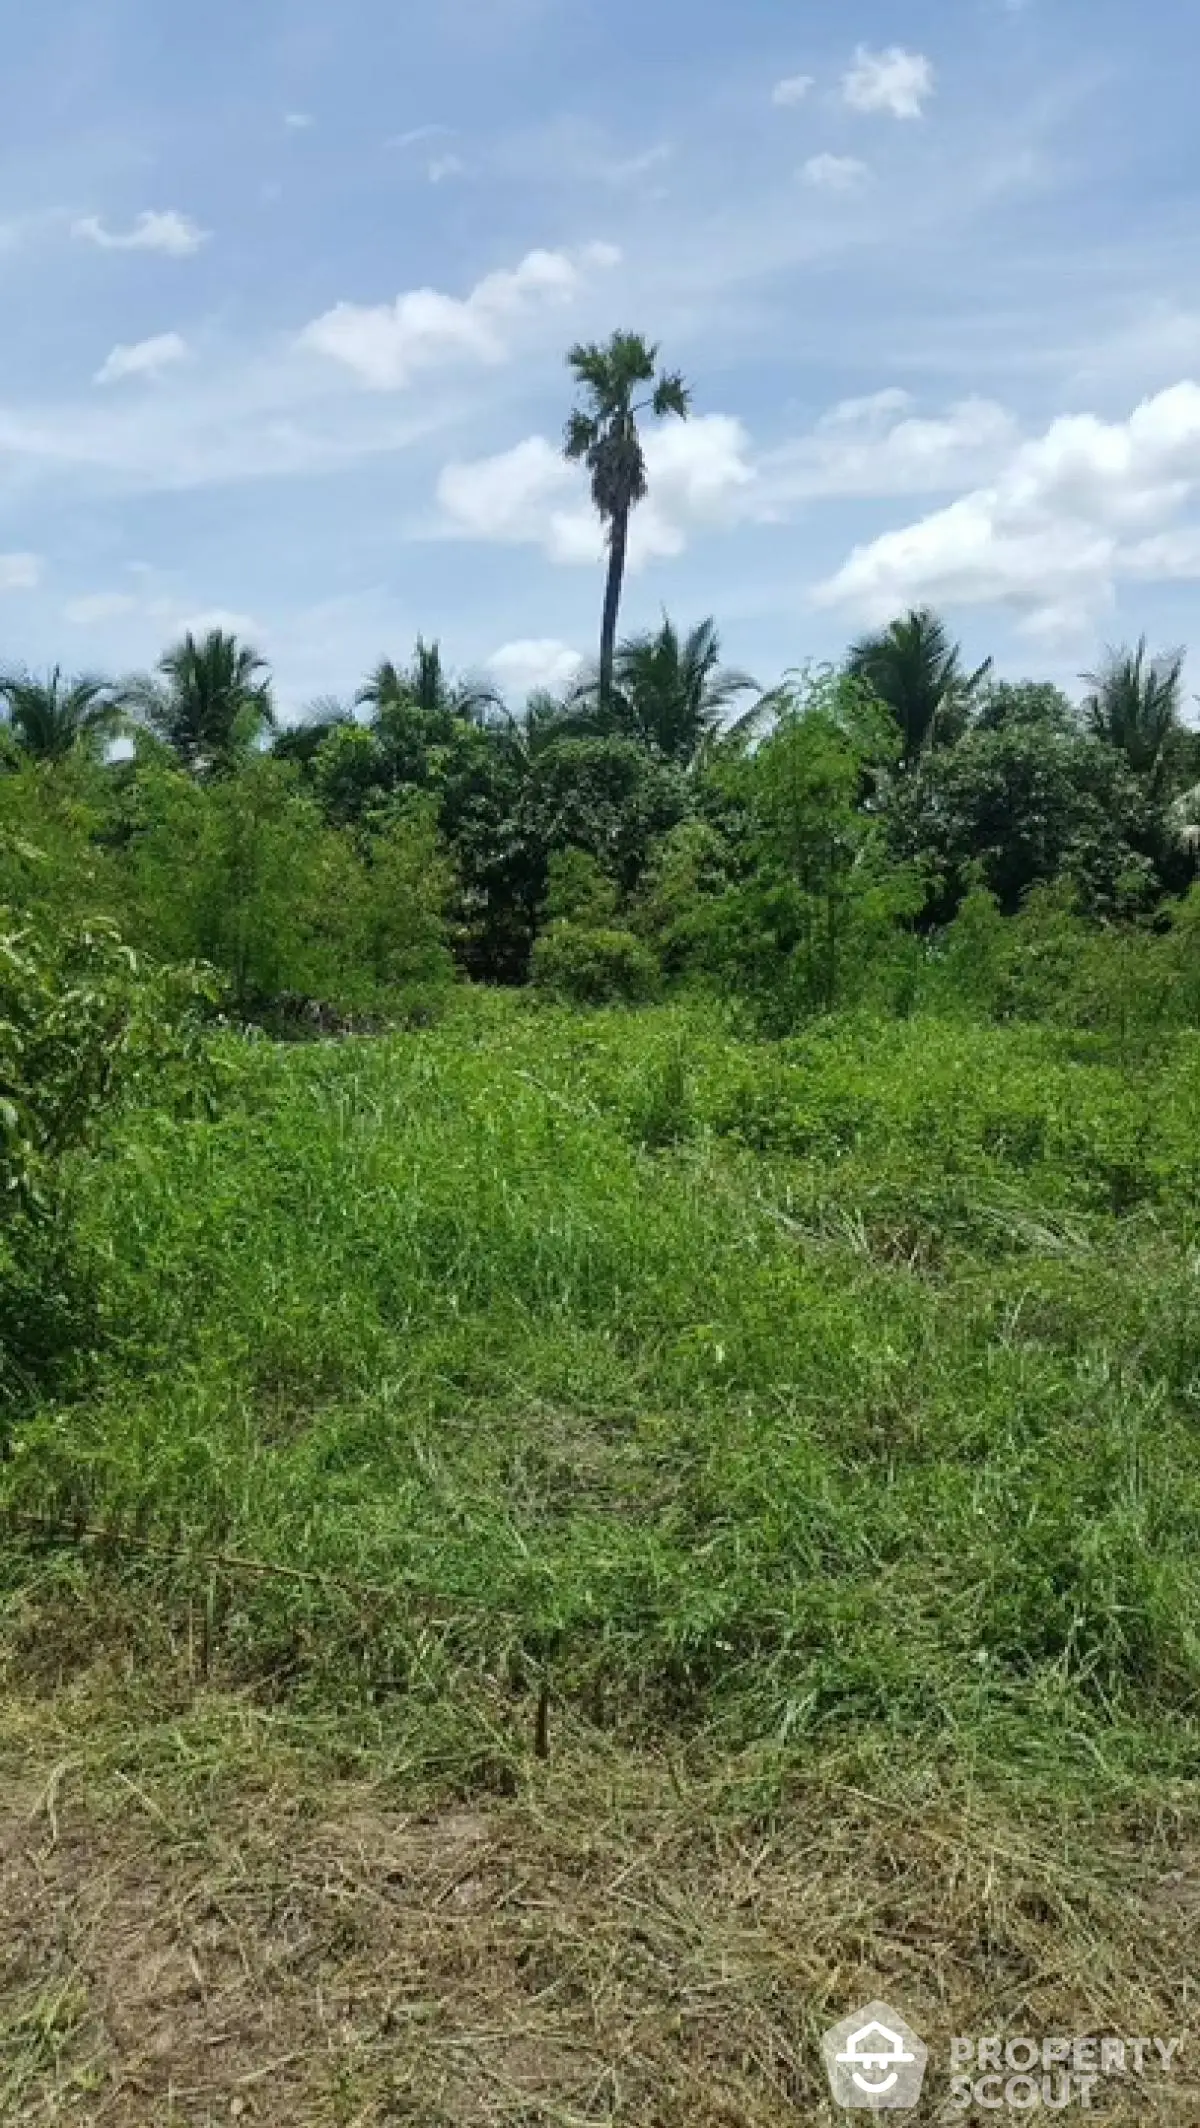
(203, 1920)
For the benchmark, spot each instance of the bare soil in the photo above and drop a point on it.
(201, 1922)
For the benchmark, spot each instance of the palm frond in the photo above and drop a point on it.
(1135, 705)
(51, 718)
(207, 701)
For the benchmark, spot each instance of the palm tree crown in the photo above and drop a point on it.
(55, 717)
(603, 435)
(302, 742)
(424, 685)
(209, 701)
(670, 692)
(916, 671)
(1135, 705)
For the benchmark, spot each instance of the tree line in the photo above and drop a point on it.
(365, 847)
(665, 818)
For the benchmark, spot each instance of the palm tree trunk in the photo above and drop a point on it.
(618, 542)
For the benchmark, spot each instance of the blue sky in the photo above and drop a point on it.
(287, 288)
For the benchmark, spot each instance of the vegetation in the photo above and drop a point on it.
(701, 1374)
(50, 719)
(603, 434)
(915, 670)
(208, 701)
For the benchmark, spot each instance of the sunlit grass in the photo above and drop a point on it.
(758, 1392)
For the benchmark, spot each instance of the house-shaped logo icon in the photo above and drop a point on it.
(875, 2060)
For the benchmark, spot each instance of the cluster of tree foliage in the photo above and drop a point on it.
(664, 820)
(673, 823)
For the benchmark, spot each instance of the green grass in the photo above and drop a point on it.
(763, 1394)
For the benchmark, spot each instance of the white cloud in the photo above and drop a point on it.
(385, 345)
(146, 358)
(544, 662)
(835, 173)
(96, 607)
(627, 169)
(20, 572)
(878, 446)
(168, 232)
(894, 80)
(418, 133)
(298, 121)
(443, 166)
(699, 475)
(504, 498)
(791, 91)
(704, 474)
(222, 617)
(1069, 515)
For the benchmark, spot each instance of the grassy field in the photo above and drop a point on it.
(583, 1550)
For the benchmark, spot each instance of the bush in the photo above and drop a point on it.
(577, 892)
(83, 1022)
(587, 967)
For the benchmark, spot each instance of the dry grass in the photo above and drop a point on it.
(209, 1914)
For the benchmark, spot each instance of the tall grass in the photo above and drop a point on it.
(765, 1391)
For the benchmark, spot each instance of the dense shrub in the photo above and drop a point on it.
(84, 1023)
(594, 967)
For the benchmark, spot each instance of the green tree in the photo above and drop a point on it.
(822, 896)
(917, 672)
(57, 859)
(50, 719)
(1004, 703)
(241, 873)
(691, 869)
(671, 692)
(302, 742)
(1027, 805)
(390, 932)
(1135, 706)
(607, 796)
(578, 892)
(542, 721)
(424, 688)
(209, 701)
(603, 435)
(84, 1024)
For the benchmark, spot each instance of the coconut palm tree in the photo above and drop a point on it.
(425, 685)
(301, 742)
(916, 671)
(603, 435)
(670, 692)
(544, 719)
(1135, 705)
(209, 700)
(54, 717)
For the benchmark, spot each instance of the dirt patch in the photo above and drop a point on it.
(611, 1944)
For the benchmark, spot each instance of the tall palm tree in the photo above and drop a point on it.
(426, 686)
(208, 700)
(603, 435)
(52, 718)
(1136, 706)
(670, 692)
(916, 671)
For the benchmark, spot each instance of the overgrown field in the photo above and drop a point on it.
(622, 1432)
